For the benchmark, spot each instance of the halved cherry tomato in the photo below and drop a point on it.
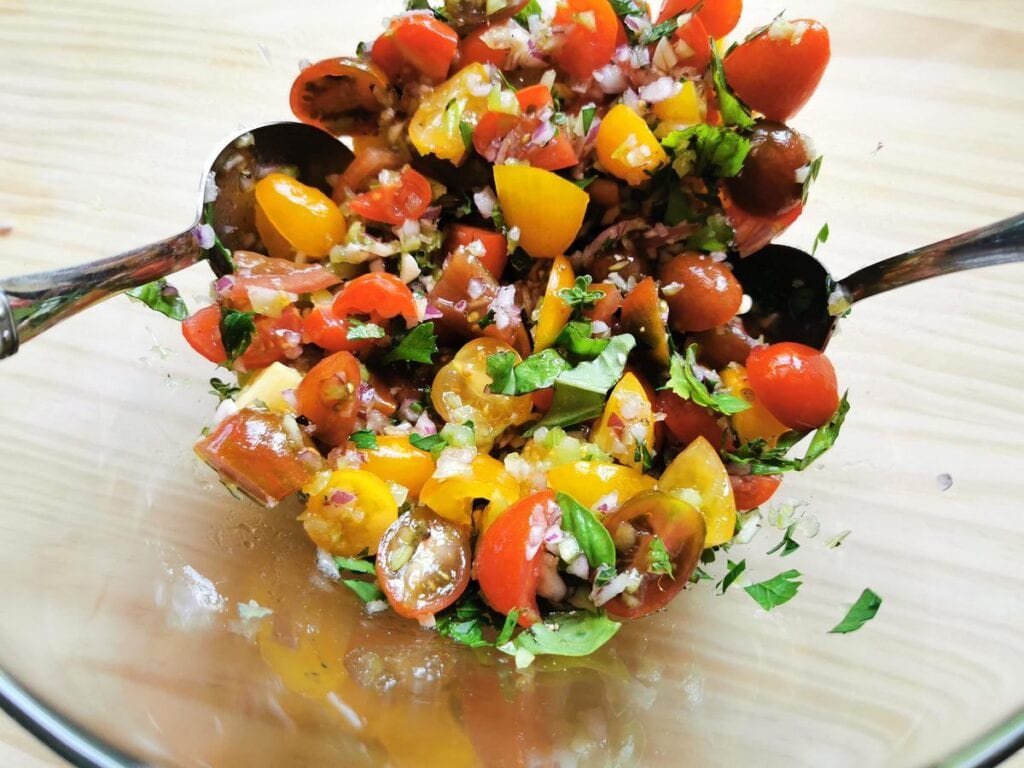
(547, 209)
(473, 49)
(329, 331)
(395, 202)
(776, 71)
(454, 497)
(419, 40)
(554, 311)
(752, 233)
(423, 564)
(626, 428)
(593, 484)
(752, 491)
(272, 339)
(534, 98)
(256, 270)
(365, 169)
(633, 528)
(293, 217)
(626, 146)
(720, 17)
(757, 422)
(701, 293)
(686, 420)
(512, 135)
(348, 512)
(397, 460)
(343, 96)
(692, 45)
(378, 294)
(329, 397)
(698, 476)
(253, 451)
(795, 382)
(436, 127)
(202, 331)
(605, 307)
(590, 30)
(495, 246)
(490, 131)
(724, 344)
(510, 554)
(642, 316)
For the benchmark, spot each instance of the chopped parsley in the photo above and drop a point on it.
(355, 565)
(788, 545)
(860, 613)
(684, 382)
(236, 332)
(642, 456)
(627, 8)
(733, 111)
(364, 439)
(658, 31)
(715, 234)
(587, 116)
(418, 346)
(367, 591)
(223, 390)
(734, 572)
(359, 330)
(532, 8)
(161, 297)
(466, 131)
(776, 590)
(431, 443)
(659, 559)
(707, 150)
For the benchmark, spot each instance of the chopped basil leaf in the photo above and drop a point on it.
(715, 234)
(236, 332)
(364, 439)
(820, 238)
(707, 150)
(735, 570)
(431, 443)
(532, 8)
(699, 575)
(684, 382)
(658, 31)
(642, 455)
(486, 320)
(223, 390)
(578, 633)
(776, 591)
(812, 175)
(660, 561)
(788, 545)
(161, 297)
(535, 372)
(466, 131)
(367, 591)
(418, 346)
(733, 111)
(466, 631)
(860, 613)
(587, 114)
(576, 337)
(593, 538)
(509, 627)
(355, 564)
(359, 330)
(585, 182)
(603, 575)
(627, 8)
(580, 296)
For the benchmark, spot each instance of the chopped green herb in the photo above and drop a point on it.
(585, 182)
(355, 565)
(576, 337)
(642, 455)
(367, 591)
(466, 131)
(538, 371)
(775, 591)
(532, 8)
(734, 572)
(860, 613)
(820, 238)
(161, 297)
(684, 382)
(733, 111)
(788, 545)
(509, 627)
(699, 575)
(418, 346)
(708, 150)
(236, 332)
(359, 330)
(593, 538)
(486, 320)
(715, 234)
(660, 561)
(587, 115)
(658, 31)
(218, 255)
(603, 575)
(812, 175)
(580, 297)
(627, 8)
(223, 390)
(432, 443)
(578, 633)
(364, 439)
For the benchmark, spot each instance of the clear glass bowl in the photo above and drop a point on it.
(123, 560)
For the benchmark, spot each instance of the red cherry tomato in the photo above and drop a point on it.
(273, 337)
(329, 397)
(588, 42)
(695, 36)
(752, 233)
(423, 564)
(495, 245)
(796, 383)
(473, 50)
(378, 294)
(719, 17)
(419, 40)
(534, 98)
(641, 316)
(543, 399)
(344, 96)
(776, 72)
(516, 134)
(752, 491)
(202, 331)
(686, 420)
(408, 197)
(606, 307)
(506, 572)
(490, 130)
(329, 331)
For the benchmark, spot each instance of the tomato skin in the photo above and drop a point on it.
(776, 72)
(253, 270)
(796, 383)
(202, 331)
(343, 96)
(724, 344)
(395, 203)
(695, 35)
(686, 420)
(269, 343)
(473, 50)
(752, 491)
(495, 255)
(378, 294)
(418, 40)
(752, 232)
(329, 331)
(701, 293)
(329, 397)
(719, 17)
(585, 50)
(767, 184)
(641, 316)
(507, 576)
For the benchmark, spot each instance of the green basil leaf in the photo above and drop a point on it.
(860, 613)
(733, 111)
(367, 591)
(715, 234)
(466, 131)
(734, 572)
(684, 382)
(161, 297)
(577, 633)
(501, 369)
(538, 371)
(587, 114)
(511, 621)
(708, 150)
(788, 545)
(576, 337)
(589, 532)
(364, 439)
(355, 564)
(236, 332)
(776, 590)
(418, 346)
(432, 443)
(820, 239)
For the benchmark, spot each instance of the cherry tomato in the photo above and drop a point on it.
(329, 397)
(343, 96)
(767, 185)
(795, 382)
(510, 554)
(254, 451)
(701, 293)
(698, 476)
(588, 43)
(274, 337)
(378, 294)
(453, 498)
(606, 307)
(395, 202)
(724, 344)
(633, 528)
(423, 564)
(473, 49)
(349, 513)
(397, 460)
(329, 331)
(202, 331)
(692, 44)
(418, 40)
(752, 491)
(511, 135)
(777, 71)
(626, 427)
(256, 270)
(554, 310)
(292, 217)
(601, 487)
(757, 422)
(686, 420)
(642, 316)
(752, 233)
(543, 399)
(365, 169)
(495, 246)
(719, 17)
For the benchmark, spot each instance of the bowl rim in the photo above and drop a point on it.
(85, 750)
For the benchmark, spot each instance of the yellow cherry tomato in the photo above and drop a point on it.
(591, 483)
(627, 421)
(547, 209)
(350, 513)
(397, 460)
(435, 128)
(756, 422)
(698, 477)
(291, 216)
(486, 478)
(684, 109)
(627, 148)
(374, 141)
(461, 392)
(554, 311)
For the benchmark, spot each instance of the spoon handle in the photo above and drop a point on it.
(999, 243)
(32, 303)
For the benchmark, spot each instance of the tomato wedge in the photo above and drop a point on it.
(329, 397)
(274, 337)
(494, 244)
(423, 564)
(329, 331)
(686, 420)
(396, 201)
(642, 316)
(343, 96)
(752, 491)
(378, 294)
(418, 40)
(588, 42)
(719, 17)
(509, 556)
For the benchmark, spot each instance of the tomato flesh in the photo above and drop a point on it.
(329, 331)
(378, 294)
(417, 40)
(687, 421)
(641, 316)
(495, 246)
(752, 491)
(329, 397)
(591, 29)
(408, 197)
(274, 337)
(796, 383)
(343, 96)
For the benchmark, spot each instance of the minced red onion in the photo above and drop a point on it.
(340, 498)
(485, 201)
(631, 99)
(661, 89)
(461, 305)
(291, 338)
(432, 313)
(611, 79)
(474, 288)
(205, 236)
(636, 23)
(210, 190)
(405, 410)
(288, 395)
(504, 307)
(554, 535)
(544, 133)
(425, 425)
(620, 583)
(224, 284)
(365, 393)
(538, 527)
(639, 57)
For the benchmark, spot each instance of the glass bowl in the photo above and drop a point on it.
(123, 560)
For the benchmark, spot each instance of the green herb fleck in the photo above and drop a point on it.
(359, 330)
(418, 346)
(161, 297)
(812, 176)
(684, 382)
(707, 150)
(860, 613)
(587, 115)
(364, 439)
(432, 443)
(367, 591)
(466, 131)
(659, 559)
(658, 31)
(731, 108)
(593, 538)
(355, 565)
(820, 238)
(223, 390)
(538, 371)
(776, 591)
(532, 8)
(788, 545)
(734, 572)
(580, 297)
(236, 332)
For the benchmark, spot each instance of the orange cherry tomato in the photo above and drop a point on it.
(417, 40)
(777, 71)
(701, 293)
(291, 217)
(492, 128)
(752, 491)
(378, 294)
(686, 420)
(343, 96)
(329, 331)
(588, 42)
(796, 383)
(719, 17)
(510, 553)
(495, 246)
(329, 397)
(407, 197)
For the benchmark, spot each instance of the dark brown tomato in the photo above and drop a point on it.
(633, 528)
(642, 316)
(344, 96)
(701, 292)
(767, 185)
(423, 563)
(724, 344)
(622, 264)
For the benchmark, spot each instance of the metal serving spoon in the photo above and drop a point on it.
(796, 299)
(32, 303)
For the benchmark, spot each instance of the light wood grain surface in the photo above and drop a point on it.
(108, 528)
